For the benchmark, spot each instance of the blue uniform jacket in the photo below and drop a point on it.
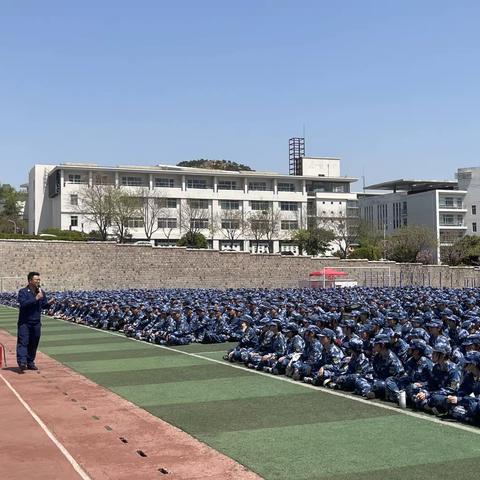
(30, 308)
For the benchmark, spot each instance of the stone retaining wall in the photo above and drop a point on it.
(99, 265)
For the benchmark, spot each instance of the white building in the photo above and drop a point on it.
(56, 191)
(439, 205)
(469, 180)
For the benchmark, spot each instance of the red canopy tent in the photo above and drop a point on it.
(328, 272)
(325, 277)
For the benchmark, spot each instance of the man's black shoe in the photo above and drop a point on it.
(22, 367)
(32, 366)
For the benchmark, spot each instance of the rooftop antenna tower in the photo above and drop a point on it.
(296, 151)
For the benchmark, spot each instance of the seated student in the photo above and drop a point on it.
(293, 349)
(385, 364)
(246, 344)
(465, 405)
(278, 346)
(443, 381)
(217, 329)
(329, 361)
(310, 355)
(418, 369)
(264, 345)
(356, 365)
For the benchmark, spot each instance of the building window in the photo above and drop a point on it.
(227, 185)
(166, 202)
(103, 180)
(474, 226)
(229, 224)
(257, 186)
(74, 178)
(164, 182)
(289, 225)
(230, 204)
(258, 205)
(474, 209)
(167, 223)
(132, 181)
(198, 224)
(74, 221)
(197, 204)
(289, 206)
(286, 187)
(135, 222)
(74, 200)
(197, 183)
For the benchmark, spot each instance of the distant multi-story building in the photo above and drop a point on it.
(319, 192)
(440, 205)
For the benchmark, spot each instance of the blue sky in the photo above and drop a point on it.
(391, 87)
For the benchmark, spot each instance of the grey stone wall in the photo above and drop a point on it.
(98, 265)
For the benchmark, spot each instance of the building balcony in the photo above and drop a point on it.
(449, 206)
(452, 225)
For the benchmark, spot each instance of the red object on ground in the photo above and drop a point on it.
(3, 356)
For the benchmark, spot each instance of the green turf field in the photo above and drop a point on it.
(279, 429)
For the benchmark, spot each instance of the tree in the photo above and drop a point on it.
(370, 243)
(313, 241)
(194, 217)
(193, 240)
(263, 224)
(464, 251)
(11, 219)
(215, 165)
(97, 204)
(231, 224)
(346, 233)
(126, 209)
(150, 210)
(412, 243)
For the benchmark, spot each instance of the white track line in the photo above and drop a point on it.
(50, 435)
(283, 378)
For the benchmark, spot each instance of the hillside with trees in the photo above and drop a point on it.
(215, 165)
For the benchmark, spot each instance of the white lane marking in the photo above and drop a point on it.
(283, 378)
(50, 435)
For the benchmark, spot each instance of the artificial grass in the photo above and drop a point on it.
(279, 429)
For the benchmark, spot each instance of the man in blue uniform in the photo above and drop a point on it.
(31, 299)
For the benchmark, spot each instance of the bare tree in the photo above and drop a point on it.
(231, 224)
(150, 210)
(346, 231)
(126, 210)
(97, 204)
(194, 217)
(263, 224)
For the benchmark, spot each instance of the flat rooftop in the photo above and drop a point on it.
(414, 185)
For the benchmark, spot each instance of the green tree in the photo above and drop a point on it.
(193, 240)
(412, 243)
(370, 243)
(464, 251)
(313, 241)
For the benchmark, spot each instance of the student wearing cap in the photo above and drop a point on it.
(268, 360)
(385, 364)
(443, 381)
(465, 405)
(329, 362)
(356, 365)
(248, 342)
(418, 369)
(310, 355)
(293, 349)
